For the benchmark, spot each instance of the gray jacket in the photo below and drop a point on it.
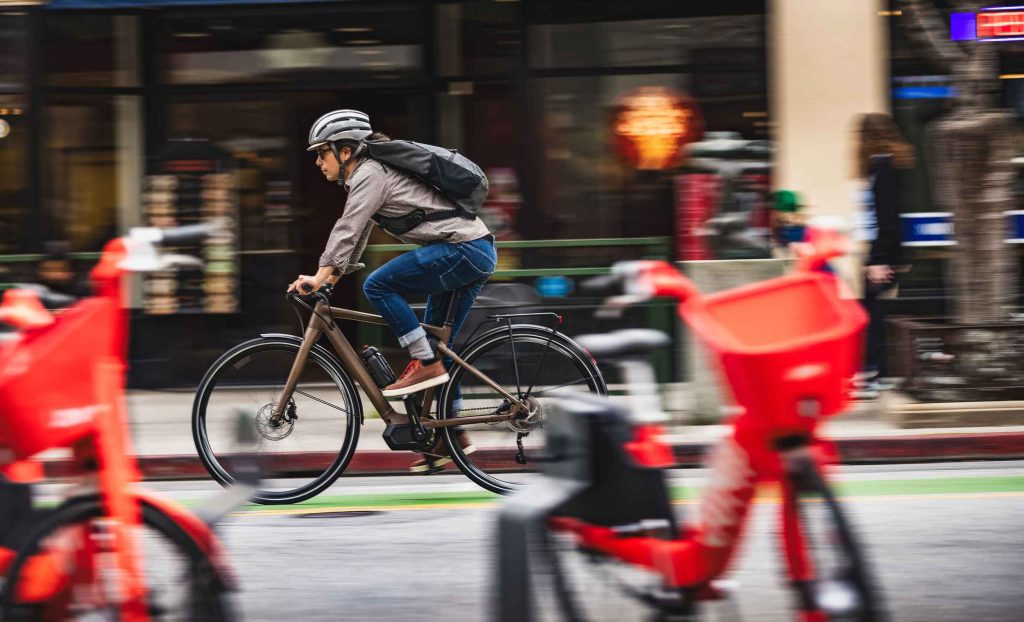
(374, 188)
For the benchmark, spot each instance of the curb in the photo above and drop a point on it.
(864, 450)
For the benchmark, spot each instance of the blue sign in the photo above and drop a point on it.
(555, 286)
(963, 26)
(1015, 220)
(927, 229)
(923, 92)
(936, 228)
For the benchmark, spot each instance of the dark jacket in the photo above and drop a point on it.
(887, 248)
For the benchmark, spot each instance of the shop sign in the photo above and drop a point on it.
(652, 124)
(936, 228)
(989, 24)
(927, 229)
(1015, 220)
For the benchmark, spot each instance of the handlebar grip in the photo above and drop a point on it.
(186, 235)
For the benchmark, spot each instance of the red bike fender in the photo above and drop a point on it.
(199, 531)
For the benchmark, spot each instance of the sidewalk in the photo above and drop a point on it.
(162, 438)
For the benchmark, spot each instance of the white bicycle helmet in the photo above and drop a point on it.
(338, 125)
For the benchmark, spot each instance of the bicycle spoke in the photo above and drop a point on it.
(584, 379)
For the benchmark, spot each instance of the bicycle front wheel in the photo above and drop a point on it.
(831, 575)
(300, 452)
(65, 552)
(529, 362)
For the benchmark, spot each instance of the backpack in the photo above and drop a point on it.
(455, 176)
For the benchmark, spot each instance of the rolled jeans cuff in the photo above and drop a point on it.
(411, 336)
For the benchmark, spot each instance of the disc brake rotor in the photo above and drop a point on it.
(271, 428)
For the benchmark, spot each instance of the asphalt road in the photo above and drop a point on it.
(946, 541)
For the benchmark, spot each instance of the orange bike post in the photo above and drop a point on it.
(117, 473)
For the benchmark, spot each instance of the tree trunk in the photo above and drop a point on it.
(973, 178)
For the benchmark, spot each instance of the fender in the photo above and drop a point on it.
(331, 359)
(547, 331)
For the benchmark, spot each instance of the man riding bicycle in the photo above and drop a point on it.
(455, 253)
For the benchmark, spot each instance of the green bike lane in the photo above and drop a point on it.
(849, 489)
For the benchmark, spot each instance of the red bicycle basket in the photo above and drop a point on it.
(788, 347)
(47, 379)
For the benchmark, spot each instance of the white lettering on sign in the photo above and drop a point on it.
(70, 417)
(935, 228)
(724, 502)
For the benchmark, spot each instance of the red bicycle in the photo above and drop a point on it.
(597, 539)
(111, 549)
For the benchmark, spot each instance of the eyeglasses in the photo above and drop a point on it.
(321, 152)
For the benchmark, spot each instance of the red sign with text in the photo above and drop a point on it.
(1000, 24)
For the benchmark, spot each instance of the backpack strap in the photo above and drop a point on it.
(397, 225)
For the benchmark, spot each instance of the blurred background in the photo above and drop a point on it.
(609, 130)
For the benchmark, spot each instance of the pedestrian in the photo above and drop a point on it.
(455, 254)
(884, 160)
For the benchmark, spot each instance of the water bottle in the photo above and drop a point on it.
(378, 366)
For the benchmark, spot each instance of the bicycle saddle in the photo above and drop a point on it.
(624, 344)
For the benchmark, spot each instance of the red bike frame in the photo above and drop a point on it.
(62, 385)
(785, 379)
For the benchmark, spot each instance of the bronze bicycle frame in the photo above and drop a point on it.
(353, 364)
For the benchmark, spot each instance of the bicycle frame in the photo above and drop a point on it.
(322, 323)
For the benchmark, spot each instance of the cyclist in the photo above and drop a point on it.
(455, 253)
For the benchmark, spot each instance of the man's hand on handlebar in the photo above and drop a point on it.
(305, 285)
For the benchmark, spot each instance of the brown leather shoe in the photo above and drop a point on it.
(417, 377)
(439, 456)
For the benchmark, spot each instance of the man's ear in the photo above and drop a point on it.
(345, 151)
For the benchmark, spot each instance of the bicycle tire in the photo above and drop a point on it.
(332, 462)
(528, 381)
(209, 595)
(844, 587)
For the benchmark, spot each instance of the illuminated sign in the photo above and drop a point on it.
(1000, 24)
(652, 124)
(991, 24)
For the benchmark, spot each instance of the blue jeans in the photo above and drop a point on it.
(437, 270)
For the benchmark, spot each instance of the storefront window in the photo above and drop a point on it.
(287, 45)
(92, 166)
(252, 135)
(478, 38)
(612, 176)
(91, 49)
(725, 41)
(14, 208)
(13, 48)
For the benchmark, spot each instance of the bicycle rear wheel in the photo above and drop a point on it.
(531, 363)
(832, 578)
(300, 456)
(182, 584)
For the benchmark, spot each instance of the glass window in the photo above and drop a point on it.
(478, 38)
(289, 45)
(611, 176)
(13, 48)
(726, 41)
(91, 49)
(92, 155)
(14, 208)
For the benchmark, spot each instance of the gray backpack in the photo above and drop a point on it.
(455, 176)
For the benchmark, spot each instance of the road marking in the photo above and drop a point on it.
(762, 498)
